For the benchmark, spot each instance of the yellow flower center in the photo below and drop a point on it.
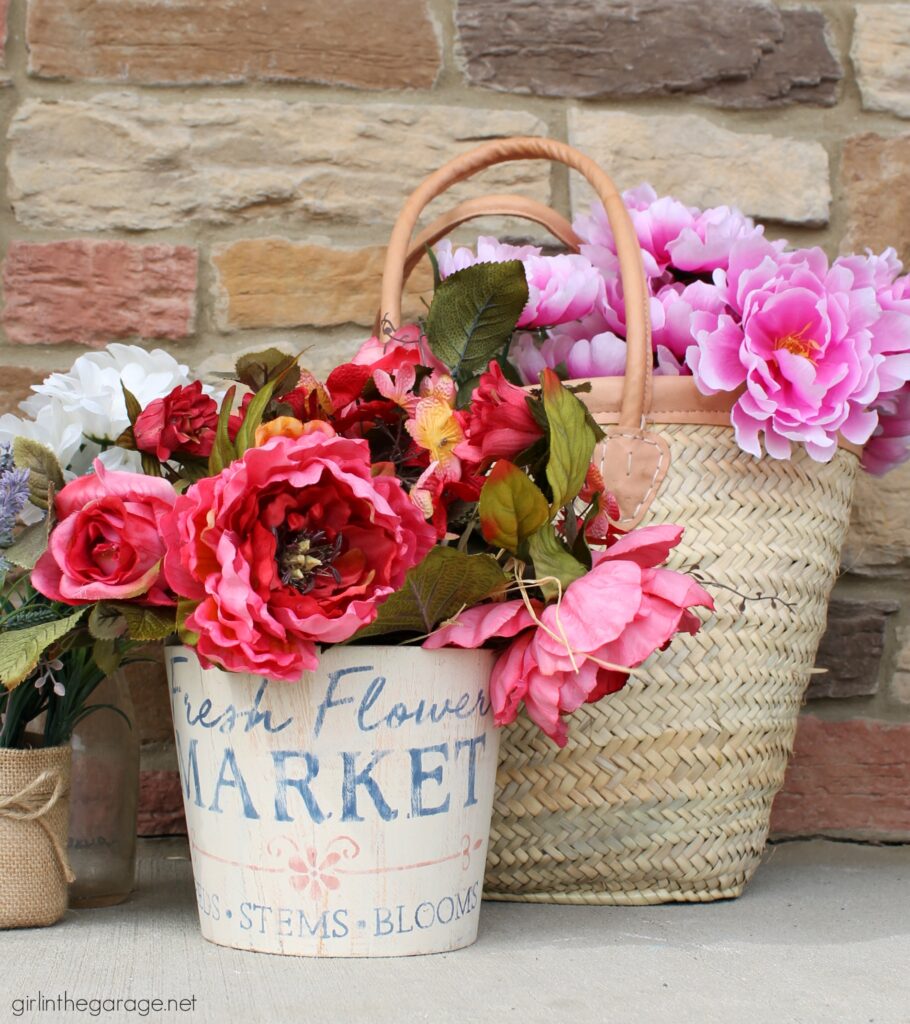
(799, 345)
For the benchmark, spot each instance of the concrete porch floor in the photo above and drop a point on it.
(821, 935)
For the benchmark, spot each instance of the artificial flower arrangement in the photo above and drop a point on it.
(813, 347)
(417, 494)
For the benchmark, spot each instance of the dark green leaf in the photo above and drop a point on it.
(223, 450)
(258, 368)
(444, 583)
(572, 440)
(106, 656)
(473, 314)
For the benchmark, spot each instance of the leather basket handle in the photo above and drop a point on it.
(401, 255)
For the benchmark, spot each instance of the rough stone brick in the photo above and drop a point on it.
(392, 45)
(15, 386)
(849, 778)
(160, 804)
(738, 53)
(851, 649)
(900, 682)
(879, 538)
(273, 282)
(875, 182)
(4, 11)
(93, 292)
(768, 176)
(881, 56)
(123, 161)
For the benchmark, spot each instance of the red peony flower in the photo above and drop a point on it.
(182, 422)
(294, 544)
(500, 424)
(107, 545)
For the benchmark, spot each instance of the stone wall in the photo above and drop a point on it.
(210, 176)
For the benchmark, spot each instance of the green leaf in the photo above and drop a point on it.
(444, 583)
(185, 609)
(551, 558)
(106, 656)
(511, 507)
(223, 450)
(253, 416)
(473, 314)
(151, 466)
(258, 368)
(21, 649)
(143, 623)
(106, 621)
(45, 476)
(29, 545)
(434, 263)
(133, 408)
(572, 440)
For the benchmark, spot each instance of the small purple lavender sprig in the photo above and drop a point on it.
(13, 494)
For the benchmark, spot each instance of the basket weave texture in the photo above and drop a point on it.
(33, 867)
(664, 791)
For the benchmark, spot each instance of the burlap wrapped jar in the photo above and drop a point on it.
(34, 813)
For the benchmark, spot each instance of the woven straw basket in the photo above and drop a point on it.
(664, 790)
(34, 817)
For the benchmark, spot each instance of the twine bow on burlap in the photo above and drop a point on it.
(32, 804)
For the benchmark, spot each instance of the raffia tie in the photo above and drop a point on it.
(30, 804)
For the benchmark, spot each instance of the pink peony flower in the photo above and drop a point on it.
(799, 336)
(405, 345)
(563, 656)
(107, 544)
(560, 288)
(292, 545)
(588, 348)
(889, 446)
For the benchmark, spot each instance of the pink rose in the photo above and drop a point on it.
(500, 424)
(294, 544)
(569, 656)
(107, 544)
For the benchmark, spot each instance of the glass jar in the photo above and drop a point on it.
(103, 798)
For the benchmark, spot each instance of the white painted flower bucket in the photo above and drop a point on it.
(344, 815)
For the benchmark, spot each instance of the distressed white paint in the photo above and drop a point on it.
(296, 851)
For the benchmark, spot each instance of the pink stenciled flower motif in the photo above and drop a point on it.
(563, 656)
(560, 288)
(799, 336)
(313, 875)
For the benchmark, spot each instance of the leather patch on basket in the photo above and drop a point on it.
(633, 464)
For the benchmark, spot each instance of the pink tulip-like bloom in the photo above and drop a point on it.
(560, 288)
(107, 544)
(563, 656)
(500, 424)
(292, 545)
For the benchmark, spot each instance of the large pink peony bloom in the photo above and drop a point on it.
(588, 348)
(107, 545)
(292, 545)
(799, 337)
(569, 656)
(560, 288)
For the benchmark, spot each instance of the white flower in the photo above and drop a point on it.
(91, 392)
